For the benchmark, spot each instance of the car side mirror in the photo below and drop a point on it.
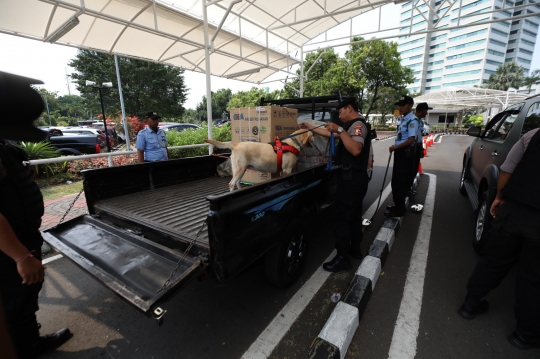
(474, 131)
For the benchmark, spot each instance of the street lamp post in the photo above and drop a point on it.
(105, 85)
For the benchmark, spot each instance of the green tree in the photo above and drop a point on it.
(251, 97)
(532, 79)
(145, 85)
(220, 105)
(385, 103)
(313, 86)
(507, 75)
(49, 99)
(72, 106)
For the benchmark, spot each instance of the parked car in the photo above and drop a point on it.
(178, 127)
(74, 144)
(483, 158)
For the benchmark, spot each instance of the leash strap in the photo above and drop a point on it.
(332, 151)
(279, 148)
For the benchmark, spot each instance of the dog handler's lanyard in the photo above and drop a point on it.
(332, 150)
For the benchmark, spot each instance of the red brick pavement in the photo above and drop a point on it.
(55, 208)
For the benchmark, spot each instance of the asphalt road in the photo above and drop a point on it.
(212, 320)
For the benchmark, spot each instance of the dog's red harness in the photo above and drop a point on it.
(279, 149)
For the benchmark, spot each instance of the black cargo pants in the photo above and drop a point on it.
(401, 175)
(20, 304)
(351, 188)
(514, 237)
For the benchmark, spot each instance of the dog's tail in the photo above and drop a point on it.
(218, 144)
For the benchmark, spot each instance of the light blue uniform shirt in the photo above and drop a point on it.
(408, 127)
(419, 136)
(154, 144)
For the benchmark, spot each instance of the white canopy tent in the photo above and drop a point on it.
(248, 40)
(454, 99)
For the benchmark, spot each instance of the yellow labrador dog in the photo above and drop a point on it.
(261, 156)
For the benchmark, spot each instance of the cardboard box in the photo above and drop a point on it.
(261, 124)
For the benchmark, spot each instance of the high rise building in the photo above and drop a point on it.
(466, 56)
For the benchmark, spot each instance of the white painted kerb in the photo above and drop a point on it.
(340, 327)
(370, 268)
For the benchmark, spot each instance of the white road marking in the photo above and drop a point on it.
(270, 337)
(403, 344)
(51, 259)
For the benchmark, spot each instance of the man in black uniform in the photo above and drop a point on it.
(514, 237)
(21, 208)
(404, 156)
(352, 182)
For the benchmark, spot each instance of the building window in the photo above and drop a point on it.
(406, 4)
(530, 33)
(437, 54)
(515, 22)
(498, 43)
(405, 13)
(434, 79)
(469, 82)
(509, 51)
(471, 53)
(413, 65)
(433, 87)
(491, 62)
(408, 20)
(458, 74)
(435, 62)
(517, 13)
(504, 23)
(496, 53)
(490, 72)
(503, 11)
(412, 88)
(525, 51)
(473, 43)
(412, 50)
(411, 42)
(502, 33)
(434, 71)
(523, 61)
(468, 63)
(416, 72)
(526, 42)
(513, 32)
(413, 57)
(446, 118)
(474, 33)
(532, 24)
(437, 46)
(473, 4)
(512, 41)
(438, 37)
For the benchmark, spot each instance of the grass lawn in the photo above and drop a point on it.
(60, 190)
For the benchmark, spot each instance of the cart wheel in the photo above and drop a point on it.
(284, 263)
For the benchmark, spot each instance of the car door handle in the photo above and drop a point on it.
(494, 153)
(481, 147)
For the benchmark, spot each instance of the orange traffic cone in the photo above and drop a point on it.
(425, 152)
(420, 168)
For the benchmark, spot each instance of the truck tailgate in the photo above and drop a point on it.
(129, 265)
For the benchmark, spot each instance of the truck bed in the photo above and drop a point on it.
(179, 210)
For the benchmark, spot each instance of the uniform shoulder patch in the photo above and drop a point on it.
(412, 124)
(357, 130)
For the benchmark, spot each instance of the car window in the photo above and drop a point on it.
(532, 120)
(491, 127)
(505, 127)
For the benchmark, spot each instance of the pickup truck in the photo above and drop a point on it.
(483, 158)
(153, 227)
(75, 144)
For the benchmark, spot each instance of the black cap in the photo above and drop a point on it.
(348, 101)
(20, 105)
(404, 100)
(151, 114)
(423, 106)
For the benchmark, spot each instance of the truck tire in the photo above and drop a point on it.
(483, 222)
(284, 263)
(462, 180)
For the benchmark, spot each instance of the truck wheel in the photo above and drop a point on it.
(462, 180)
(284, 263)
(483, 221)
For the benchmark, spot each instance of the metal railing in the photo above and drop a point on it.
(109, 156)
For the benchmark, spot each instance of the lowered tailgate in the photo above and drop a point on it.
(129, 265)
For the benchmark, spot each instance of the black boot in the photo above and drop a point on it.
(524, 340)
(395, 212)
(356, 252)
(411, 193)
(337, 264)
(472, 306)
(52, 341)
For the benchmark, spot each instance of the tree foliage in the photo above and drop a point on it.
(220, 105)
(366, 69)
(507, 75)
(532, 79)
(146, 86)
(252, 97)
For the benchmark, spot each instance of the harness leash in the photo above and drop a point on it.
(300, 133)
(279, 149)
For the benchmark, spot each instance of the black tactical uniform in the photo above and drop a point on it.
(514, 237)
(352, 184)
(22, 205)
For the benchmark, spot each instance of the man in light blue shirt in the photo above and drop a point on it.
(420, 113)
(152, 142)
(404, 156)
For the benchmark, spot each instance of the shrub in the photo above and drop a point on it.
(38, 151)
(195, 136)
(76, 167)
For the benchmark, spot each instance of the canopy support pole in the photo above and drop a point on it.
(208, 82)
(124, 122)
(302, 72)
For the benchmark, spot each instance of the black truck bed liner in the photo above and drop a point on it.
(179, 210)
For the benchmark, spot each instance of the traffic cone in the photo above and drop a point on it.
(420, 168)
(425, 152)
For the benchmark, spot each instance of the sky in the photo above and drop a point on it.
(48, 62)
